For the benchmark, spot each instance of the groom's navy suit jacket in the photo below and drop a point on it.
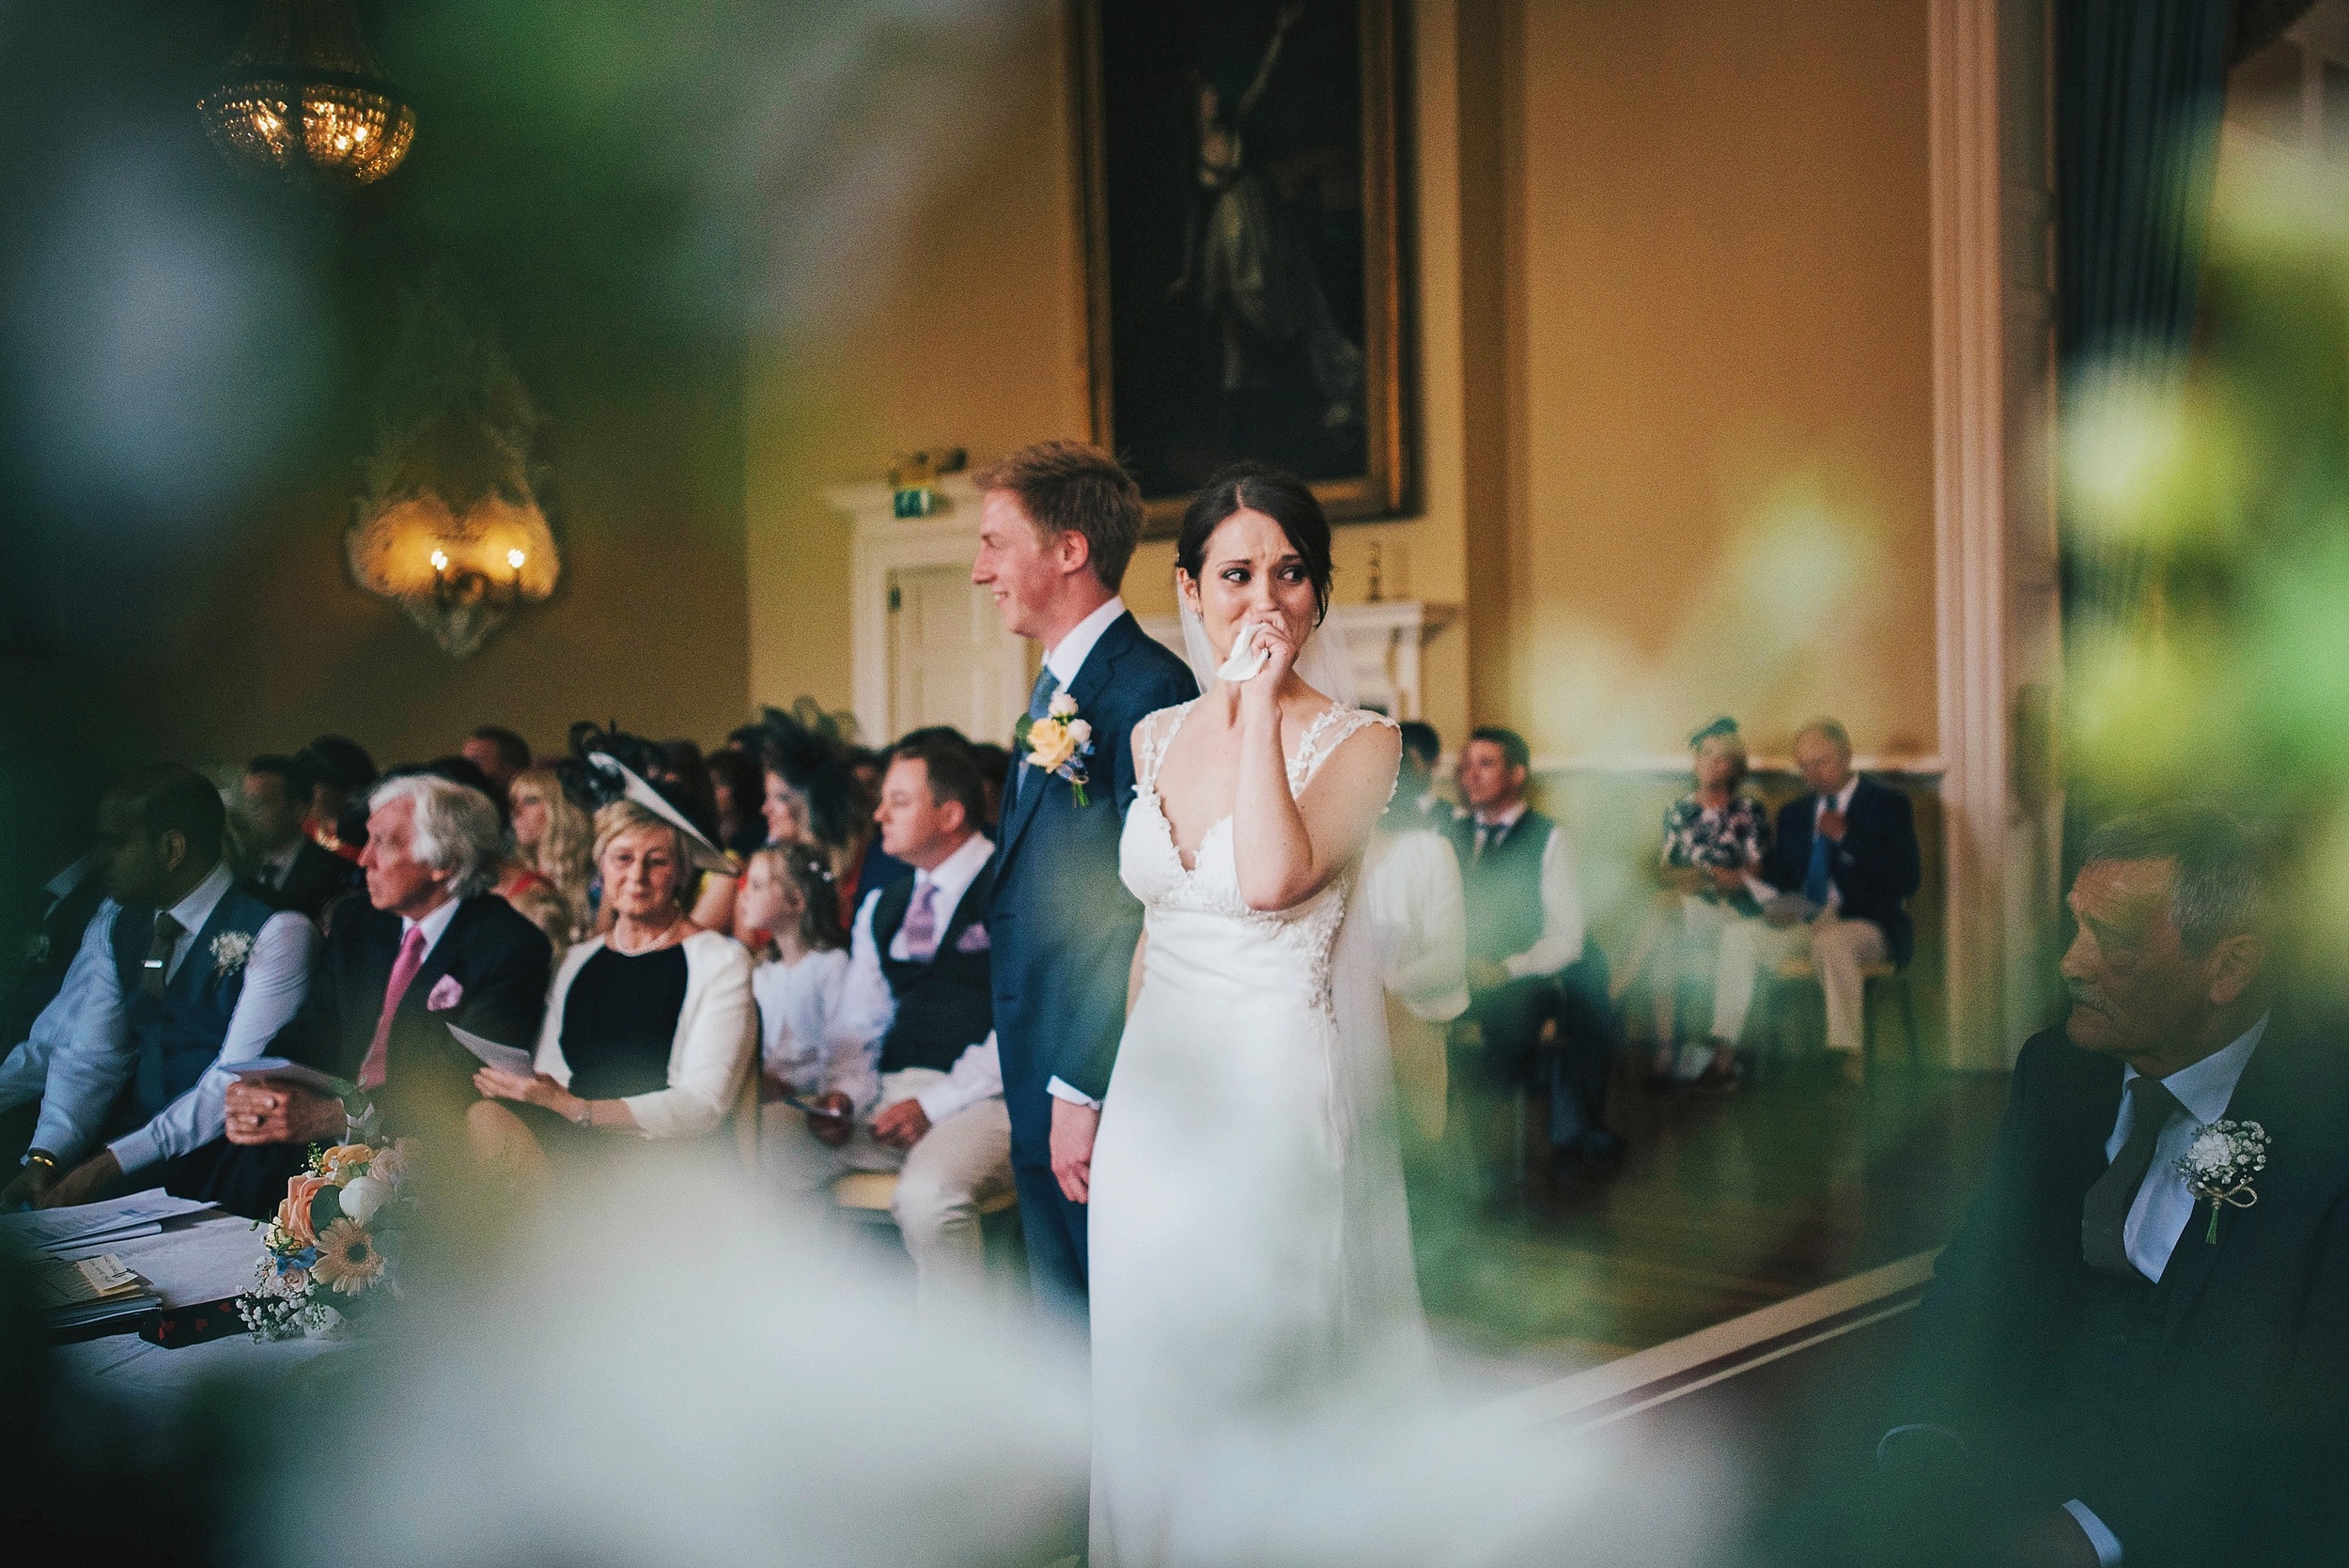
(2214, 1431)
(1064, 927)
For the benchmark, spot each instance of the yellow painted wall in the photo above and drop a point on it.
(1673, 356)
(1719, 380)
(966, 327)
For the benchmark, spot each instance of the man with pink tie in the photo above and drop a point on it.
(433, 947)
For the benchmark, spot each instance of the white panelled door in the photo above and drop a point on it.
(945, 635)
(930, 644)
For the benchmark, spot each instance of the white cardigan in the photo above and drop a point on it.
(717, 1034)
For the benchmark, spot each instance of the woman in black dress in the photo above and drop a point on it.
(650, 1027)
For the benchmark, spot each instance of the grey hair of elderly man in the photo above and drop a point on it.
(455, 829)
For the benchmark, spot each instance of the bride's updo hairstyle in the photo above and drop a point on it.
(1283, 497)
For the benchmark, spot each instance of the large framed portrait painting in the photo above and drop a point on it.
(1240, 218)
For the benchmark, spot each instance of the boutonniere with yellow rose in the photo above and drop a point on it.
(1058, 743)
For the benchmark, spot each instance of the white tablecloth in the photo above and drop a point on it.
(194, 1263)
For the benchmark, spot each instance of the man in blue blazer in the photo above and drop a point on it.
(1057, 523)
(1839, 870)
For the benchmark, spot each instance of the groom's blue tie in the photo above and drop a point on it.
(1039, 705)
(1815, 880)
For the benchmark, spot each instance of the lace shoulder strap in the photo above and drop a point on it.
(1337, 725)
(1151, 738)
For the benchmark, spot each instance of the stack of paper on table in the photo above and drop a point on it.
(81, 1293)
(88, 1228)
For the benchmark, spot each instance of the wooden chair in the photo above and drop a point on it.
(1467, 1036)
(867, 1197)
(746, 1119)
(1875, 979)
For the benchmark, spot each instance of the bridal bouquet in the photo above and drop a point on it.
(323, 1256)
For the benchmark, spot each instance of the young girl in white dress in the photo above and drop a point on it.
(1251, 1255)
(802, 975)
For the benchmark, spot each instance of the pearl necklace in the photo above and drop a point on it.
(660, 938)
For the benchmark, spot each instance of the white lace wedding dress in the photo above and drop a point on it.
(1251, 1253)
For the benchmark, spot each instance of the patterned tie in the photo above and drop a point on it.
(1816, 882)
(404, 967)
(921, 926)
(1039, 705)
(2104, 1213)
(158, 967)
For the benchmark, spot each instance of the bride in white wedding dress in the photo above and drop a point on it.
(1251, 1253)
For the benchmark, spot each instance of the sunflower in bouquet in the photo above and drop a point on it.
(324, 1255)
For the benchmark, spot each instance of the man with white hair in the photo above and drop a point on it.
(433, 947)
(193, 975)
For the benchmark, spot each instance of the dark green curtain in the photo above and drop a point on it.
(2139, 86)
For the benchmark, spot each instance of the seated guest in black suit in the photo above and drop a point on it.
(498, 752)
(1416, 785)
(1528, 947)
(735, 784)
(994, 765)
(288, 868)
(52, 916)
(341, 774)
(201, 975)
(650, 1028)
(431, 946)
(2109, 1367)
(49, 922)
(1833, 883)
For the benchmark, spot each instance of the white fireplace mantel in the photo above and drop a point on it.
(1382, 645)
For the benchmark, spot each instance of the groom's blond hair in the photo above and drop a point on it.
(1068, 487)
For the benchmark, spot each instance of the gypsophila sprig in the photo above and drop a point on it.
(2219, 1165)
(230, 949)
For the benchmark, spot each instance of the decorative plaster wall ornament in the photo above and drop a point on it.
(451, 522)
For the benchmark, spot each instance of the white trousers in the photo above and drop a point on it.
(1838, 948)
(957, 1165)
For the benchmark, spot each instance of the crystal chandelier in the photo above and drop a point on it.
(303, 100)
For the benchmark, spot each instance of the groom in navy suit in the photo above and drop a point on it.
(1057, 524)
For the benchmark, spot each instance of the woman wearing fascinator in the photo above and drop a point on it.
(1251, 1253)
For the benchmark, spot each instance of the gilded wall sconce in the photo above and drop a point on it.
(450, 524)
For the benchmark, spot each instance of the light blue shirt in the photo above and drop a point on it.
(2162, 1211)
(24, 1074)
(2164, 1206)
(96, 1057)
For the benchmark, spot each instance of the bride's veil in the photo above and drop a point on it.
(1382, 1289)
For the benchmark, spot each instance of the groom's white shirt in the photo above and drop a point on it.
(1067, 655)
(1064, 658)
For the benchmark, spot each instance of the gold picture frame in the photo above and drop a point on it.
(1216, 388)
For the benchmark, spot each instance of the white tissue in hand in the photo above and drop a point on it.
(1246, 658)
